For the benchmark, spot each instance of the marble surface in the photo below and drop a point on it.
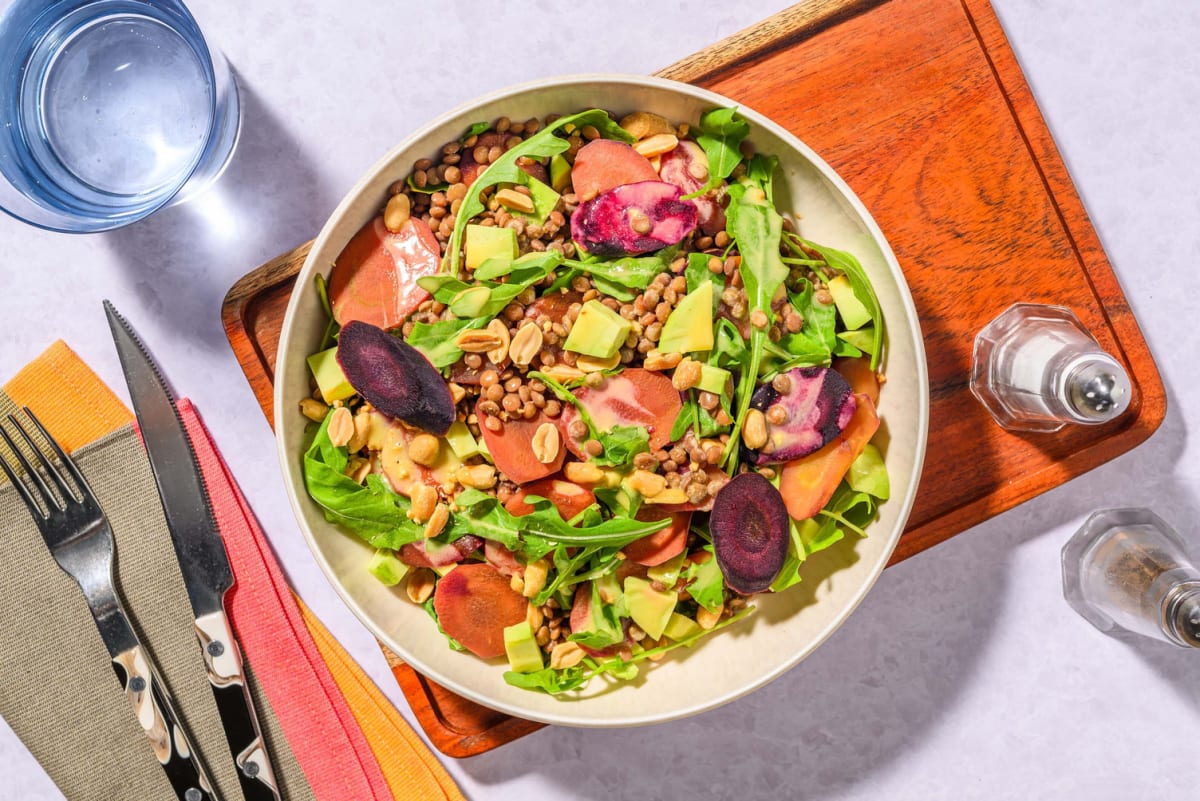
(964, 674)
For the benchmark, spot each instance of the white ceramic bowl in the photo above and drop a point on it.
(788, 625)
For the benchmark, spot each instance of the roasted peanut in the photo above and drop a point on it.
(424, 500)
(420, 585)
(687, 374)
(594, 364)
(546, 443)
(476, 476)
(423, 449)
(341, 427)
(644, 124)
(565, 655)
(517, 201)
(656, 360)
(535, 577)
(525, 345)
(476, 341)
(313, 409)
(498, 354)
(754, 430)
(669, 495)
(437, 520)
(534, 616)
(707, 619)
(584, 473)
(646, 483)
(656, 145)
(397, 212)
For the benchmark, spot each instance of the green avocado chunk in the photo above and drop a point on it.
(680, 627)
(330, 379)
(386, 567)
(599, 331)
(483, 242)
(690, 326)
(524, 655)
(854, 313)
(649, 608)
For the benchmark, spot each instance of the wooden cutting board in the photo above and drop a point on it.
(921, 106)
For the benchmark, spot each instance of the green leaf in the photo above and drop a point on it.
(619, 278)
(849, 266)
(542, 145)
(604, 627)
(621, 444)
(697, 273)
(331, 325)
(437, 340)
(481, 512)
(706, 584)
(758, 230)
(686, 418)
(475, 129)
(720, 134)
(370, 510)
(549, 680)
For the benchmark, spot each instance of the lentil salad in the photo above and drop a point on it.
(570, 517)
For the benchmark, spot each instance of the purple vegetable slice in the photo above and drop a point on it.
(816, 408)
(749, 527)
(395, 377)
(633, 218)
(428, 553)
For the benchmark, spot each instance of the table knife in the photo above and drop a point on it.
(201, 554)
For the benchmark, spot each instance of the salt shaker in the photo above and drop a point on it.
(1036, 368)
(1127, 569)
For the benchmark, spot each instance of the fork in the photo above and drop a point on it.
(80, 539)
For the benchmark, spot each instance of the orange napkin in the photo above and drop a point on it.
(348, 739)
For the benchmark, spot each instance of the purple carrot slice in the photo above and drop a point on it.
(428, 553)
(749, 527)
(816, 408)
(633, 218)
(395, 377)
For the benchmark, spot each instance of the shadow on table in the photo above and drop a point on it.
(182, 260)
(874, 692)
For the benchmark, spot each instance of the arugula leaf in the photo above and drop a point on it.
(730, 350)
(370, 510)
(849, 266)
(543, 528)
(620, 443)
(437, 341)
(619, 277)
(544, 144)
(720, 135)
(686, 419)
(606, 621)
(706, 584)
(331, 327)
(758, 229)
(475, 129)
(697, 273)
(549, 680)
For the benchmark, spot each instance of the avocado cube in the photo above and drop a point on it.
(483, 242)
(330, 379)
(386, 567)
(599, 331)
(461, 441)
(649, 608)
(560, 173)
(869, 474)
(863, 339)
(544, 200)
(714, 379)
(524, 655)
(690, 326)
(854, 313)
(667, 572)
(680, 628)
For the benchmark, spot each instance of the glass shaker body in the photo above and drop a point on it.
(1036, 368)
(1127, 569)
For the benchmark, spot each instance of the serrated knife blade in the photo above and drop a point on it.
(200, 551)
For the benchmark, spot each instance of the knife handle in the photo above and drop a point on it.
(223, 659)
(155, 712)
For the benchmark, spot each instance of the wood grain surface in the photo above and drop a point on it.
(921, 106)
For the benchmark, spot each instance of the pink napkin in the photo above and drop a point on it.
(314, 715)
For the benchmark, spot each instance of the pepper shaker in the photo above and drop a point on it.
(1127, 569)
(1036, 368)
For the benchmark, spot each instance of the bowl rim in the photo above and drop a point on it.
(759, 120)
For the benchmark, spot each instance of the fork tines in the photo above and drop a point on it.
(50, 502)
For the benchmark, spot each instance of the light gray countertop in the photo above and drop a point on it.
(964, 674)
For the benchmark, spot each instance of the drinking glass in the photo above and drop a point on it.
(109, 110)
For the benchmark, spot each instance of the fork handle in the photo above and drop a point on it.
(226, 674)
(155, 713)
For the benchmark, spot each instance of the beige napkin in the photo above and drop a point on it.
(58, 690)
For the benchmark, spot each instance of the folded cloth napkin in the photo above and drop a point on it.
(331, 734)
